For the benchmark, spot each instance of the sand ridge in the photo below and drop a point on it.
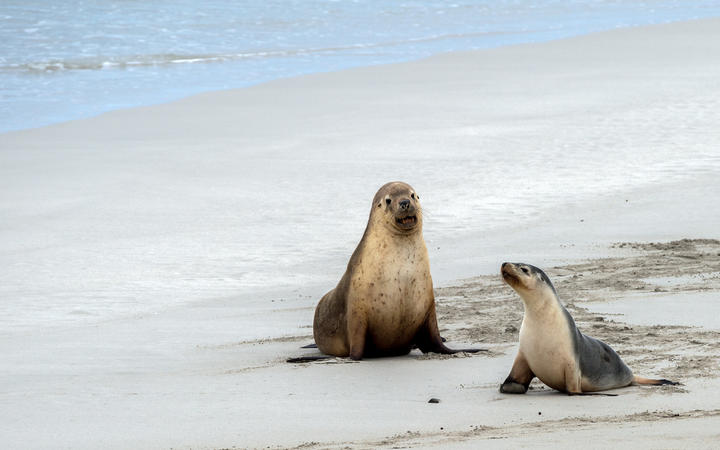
(412, 439)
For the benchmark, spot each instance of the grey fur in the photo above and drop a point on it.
(599, 363)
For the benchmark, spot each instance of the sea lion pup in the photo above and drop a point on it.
(553, 349)
(384, 303)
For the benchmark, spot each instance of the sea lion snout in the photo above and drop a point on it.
(505, 269)
(509, 274)
(405, 207)
(509, 268)
(406, 221)
(406, 214)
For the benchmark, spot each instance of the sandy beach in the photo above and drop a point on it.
(215, 224)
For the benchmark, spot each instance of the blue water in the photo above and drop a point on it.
(73, 59)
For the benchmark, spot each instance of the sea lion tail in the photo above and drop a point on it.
(660, 382)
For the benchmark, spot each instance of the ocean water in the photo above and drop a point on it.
(73, 59)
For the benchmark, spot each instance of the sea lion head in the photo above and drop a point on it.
(528, 281)
(397, 206)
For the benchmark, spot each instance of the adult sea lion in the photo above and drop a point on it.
(553, 349)
(384, 303)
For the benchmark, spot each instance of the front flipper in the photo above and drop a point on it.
(520, 377)
(428, 338)
(357, 329)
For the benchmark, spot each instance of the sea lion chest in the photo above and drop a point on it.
(546, 343)
(392, 285)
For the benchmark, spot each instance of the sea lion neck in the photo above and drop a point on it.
(539, 302)
(414, 233)
(384, 237)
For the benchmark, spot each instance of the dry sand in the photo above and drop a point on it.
(108, 207)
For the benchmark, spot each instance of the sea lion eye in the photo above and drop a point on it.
(412, 196)
(387, 201)
(524, 269)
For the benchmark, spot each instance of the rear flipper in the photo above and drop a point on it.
(426, 345)
(592, 393)
(302, 359)
(651, 382)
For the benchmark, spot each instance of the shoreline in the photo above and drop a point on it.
(355, 66)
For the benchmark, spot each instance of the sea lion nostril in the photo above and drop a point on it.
(404, 204)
